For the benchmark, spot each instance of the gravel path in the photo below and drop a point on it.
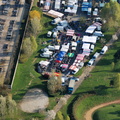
(89, 113)
(34, 101)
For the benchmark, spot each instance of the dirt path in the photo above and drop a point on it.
(89, 113)
(34, 100)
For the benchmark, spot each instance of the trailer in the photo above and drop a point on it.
(57, 4)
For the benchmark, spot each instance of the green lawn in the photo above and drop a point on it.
(111, 112)
(26, 76)
(97, 85)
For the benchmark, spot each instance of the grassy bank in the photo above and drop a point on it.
(111, 112)
(26, 75)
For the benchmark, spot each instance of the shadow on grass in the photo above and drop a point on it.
(117, 113)
(104, 62)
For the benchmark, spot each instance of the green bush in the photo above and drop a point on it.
(59, 116)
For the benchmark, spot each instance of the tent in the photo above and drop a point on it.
(61, 54)
(90, 39)
(80, 57)
(72, 67)
(58, 61)
(86, 52)
(86, 46)
(45, 63)
(70, 54)
(56, 74)
(90, 29)
(59, 58)
(70, 32)
(64, 65)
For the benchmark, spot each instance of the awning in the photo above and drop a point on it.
(70, 54)
(80, 57)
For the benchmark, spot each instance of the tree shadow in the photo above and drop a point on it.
(104, 62)
(117, 113)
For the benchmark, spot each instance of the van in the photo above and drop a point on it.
(92, 48)
(95, 56)
(75, 71)
(91, 62)
(98, 33)
(104, 49)
(49, 34)
(55, 21)
(54, 34)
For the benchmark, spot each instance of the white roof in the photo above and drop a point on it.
(86, 45)
(57, 47)
(90, 29)
(45, 63)
(74, 44)
(53, 12)
(67, 10)
(57, 4)
(90, 39)
(64, 49)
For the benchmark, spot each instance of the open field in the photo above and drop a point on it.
(111, 112)
(96, 89)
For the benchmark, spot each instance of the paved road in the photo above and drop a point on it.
(11, 43)
(85, 74)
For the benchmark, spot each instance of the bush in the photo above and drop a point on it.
(27, 49)
(34, 43)
(59, 116)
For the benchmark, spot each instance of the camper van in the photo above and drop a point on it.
(98, 33)
(55, 21)
(104, 49)
(49, 34)
(95, 56)
(91, 62)
(54, 34)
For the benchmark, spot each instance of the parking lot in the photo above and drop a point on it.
(9, 27)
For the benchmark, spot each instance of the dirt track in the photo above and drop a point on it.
(88, 115)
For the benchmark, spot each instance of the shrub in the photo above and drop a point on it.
(34, 14)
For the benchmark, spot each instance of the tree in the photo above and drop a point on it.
(34, 43)
(8, 108)
(117, 81)
(110, 14)
(34, 14)
(26, 51)
(54, 85)
(35, 26)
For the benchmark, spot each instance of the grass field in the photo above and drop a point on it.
(111, 112)
(26, 75)
(97, 85)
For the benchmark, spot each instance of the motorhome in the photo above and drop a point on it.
(91, 62)
(96, 55)
(56, 21)
(104, 49)
(49, 34)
